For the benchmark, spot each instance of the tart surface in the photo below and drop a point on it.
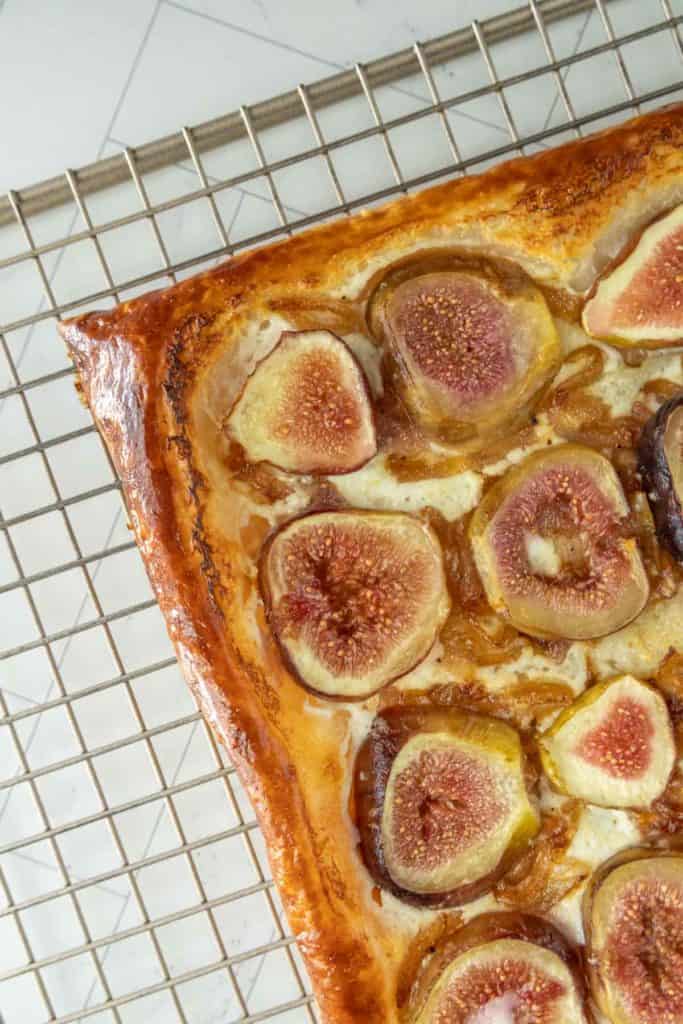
(411, 527)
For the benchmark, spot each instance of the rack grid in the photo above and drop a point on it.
(133, 880)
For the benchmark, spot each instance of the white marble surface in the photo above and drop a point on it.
(82, 73)
(80, 79)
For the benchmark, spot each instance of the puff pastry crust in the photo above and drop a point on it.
(158, 371)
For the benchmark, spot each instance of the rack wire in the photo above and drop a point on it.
(133, 880)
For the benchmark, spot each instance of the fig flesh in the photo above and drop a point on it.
(550, 540)
(613, 747)
(355, 599)
(638, 302)
(660, 461)
(306, 407)
(442, 802)
(471, 352)
(633, 918)
(502, 968)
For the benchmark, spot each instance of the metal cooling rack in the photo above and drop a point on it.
(133, 881)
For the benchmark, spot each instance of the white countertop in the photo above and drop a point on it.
(79, 80)
(86, 75)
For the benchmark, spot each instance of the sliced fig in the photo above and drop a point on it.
(613, 747)
(355, 599)
(660, 461)
(306, 407)
(640, 300)
(552, 546)
(442, 802)
(472, 351)
(633, 918)
(502, 969)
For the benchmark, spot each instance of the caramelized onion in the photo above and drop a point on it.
(584, 418)
(472, 633)
(665, 817)
(428, 939)
(544, 875)
(408, 463)
(320, 313)
(663, 572)
(669, 679)
(266, 484)
(661, 388)
(462, 576)
(524, 703)
(467, 637)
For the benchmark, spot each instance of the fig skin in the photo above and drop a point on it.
(391, 730)
(319, 605)
(517, 371)
(657, 749)
(337, 404)
(596, 960)
(548, 613)
(619, 276)
(493, 927)
(658, 478)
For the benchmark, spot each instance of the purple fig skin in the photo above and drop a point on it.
(658, 481)
(392, 728)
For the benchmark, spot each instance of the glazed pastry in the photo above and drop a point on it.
(407, 487)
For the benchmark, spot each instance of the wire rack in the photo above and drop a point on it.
(133, 880)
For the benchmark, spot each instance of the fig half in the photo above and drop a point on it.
(633, 919)
(442, 802)
(660, 461)
(638, 302)
(355, 599)
(613, 747)
(472, 350)
(306, 407)
(502, 968)
(552, 546)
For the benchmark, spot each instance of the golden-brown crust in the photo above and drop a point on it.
(145, 369)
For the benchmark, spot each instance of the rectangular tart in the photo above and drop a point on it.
(163, 375)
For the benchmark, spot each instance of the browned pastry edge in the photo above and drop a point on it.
(139, 365)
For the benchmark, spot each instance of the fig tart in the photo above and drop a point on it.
(409, 489)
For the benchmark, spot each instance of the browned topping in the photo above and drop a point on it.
(422, 947)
